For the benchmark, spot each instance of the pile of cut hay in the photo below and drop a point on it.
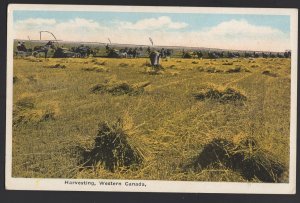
(25, 111)
(124, 65)
(210, 70)
(96, 69)
(115, 147)
(99, 63)
(222, 95)
(172, 66)
(228, 63)
(234, 70)
(238, 69)
(243, 156)
(247, 70)
(15, 79)
(57, 66)
(123, 88)
(269, 73)
(120, 88)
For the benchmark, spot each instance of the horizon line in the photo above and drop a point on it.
(174, 46)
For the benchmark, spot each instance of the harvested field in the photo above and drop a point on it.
(123, 119)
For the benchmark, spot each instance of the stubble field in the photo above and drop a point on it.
(171, 116)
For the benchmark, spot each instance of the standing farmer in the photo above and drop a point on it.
(155, 58)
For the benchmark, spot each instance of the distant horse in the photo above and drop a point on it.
(43, 49)
(123, 54)
(287, 54)
(84, 51)
(213, 55)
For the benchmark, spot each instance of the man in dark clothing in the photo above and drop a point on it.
(23, 47)
(155, 58)
(19, 46)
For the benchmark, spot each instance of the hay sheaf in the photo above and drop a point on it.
(99, 63)
(222, 95)
(120, 88)
(25, 111)
(124, 65)
(114, 147)
(15, 79)
(237, 69)
(210, 70)
(269, 73)
(172, 67)
(97, 69)
(56, 66)
(244, 156)
(228, 63)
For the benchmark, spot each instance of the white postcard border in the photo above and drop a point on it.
(152, 185)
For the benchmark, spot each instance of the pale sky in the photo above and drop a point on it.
(227, 31)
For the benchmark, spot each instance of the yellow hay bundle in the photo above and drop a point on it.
(115, 147)
(120, 88)
(221, 94)
(243, 155)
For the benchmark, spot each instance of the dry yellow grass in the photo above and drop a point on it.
(170, 125)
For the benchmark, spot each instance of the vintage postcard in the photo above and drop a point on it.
(151, 99)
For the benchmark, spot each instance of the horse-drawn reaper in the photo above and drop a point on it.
(115, 53)
(43, 50)
(22, 50)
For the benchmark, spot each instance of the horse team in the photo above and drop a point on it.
(86, 51)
